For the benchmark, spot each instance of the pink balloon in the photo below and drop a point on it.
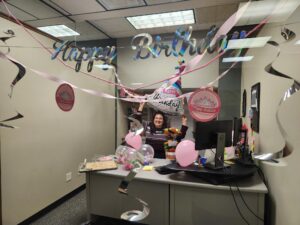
(185, 153)
(134, 141)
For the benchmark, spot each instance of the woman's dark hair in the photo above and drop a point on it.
(164, 125)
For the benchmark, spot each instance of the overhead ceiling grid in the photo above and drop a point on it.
(105, 19)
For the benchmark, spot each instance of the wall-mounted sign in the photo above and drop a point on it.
(204, 105)
(65, 97)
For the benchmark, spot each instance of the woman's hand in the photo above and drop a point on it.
(141, 107)
(183, 120)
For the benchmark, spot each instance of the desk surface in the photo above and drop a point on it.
(251, 184)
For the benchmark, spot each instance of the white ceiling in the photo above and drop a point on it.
(96, 20)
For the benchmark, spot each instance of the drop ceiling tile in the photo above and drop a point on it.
(78, 6)
(17, 13)
(123, 34)
(114, 25)
(86, 37)
(35, 8)
(155, 2)
(117, 4)
(225, 11)
(48, 22)
(206, 15)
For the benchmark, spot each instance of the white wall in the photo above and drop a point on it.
(49, 142)
(283, 178)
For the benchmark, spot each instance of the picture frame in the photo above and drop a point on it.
(244, 103)
(255, 106)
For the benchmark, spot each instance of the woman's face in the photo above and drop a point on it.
(158, 121)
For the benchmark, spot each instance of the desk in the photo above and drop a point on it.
(174, 199)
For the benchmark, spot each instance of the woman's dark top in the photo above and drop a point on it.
(156, 138)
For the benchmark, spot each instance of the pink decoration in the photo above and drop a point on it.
(133, 140)
(204, 105)
(186, 153)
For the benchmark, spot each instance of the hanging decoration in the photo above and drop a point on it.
(204, 105)
(159, 99)
(65, 97)
(19, 76)
(288, 35)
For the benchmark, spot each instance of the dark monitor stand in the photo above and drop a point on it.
(214, 134)
(219, 155)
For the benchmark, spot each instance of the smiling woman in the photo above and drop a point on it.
(154, 131)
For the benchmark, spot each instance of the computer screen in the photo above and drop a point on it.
(206, 133)
(237, 126)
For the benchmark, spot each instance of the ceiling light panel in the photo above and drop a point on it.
(248, 43)
(117, 4)
(59, 31)
(77, 6)
(21, 15)
(237, 59)
(162, 19)
(36, 8)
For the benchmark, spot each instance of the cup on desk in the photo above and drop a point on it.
(203, 161)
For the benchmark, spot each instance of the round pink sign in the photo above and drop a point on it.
(65, 97)
(204, 105)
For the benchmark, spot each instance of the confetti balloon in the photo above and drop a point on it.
(146, 152)
(130, 156)
(120, 153)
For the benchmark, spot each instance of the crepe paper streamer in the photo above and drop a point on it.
(53, 78)
(138, 99)
(134, 98)
(223, 30)
(109, 82)
(185, 153)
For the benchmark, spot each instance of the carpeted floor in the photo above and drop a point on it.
(71, 212)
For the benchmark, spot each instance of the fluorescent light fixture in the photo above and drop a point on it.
(59, 31)
(162, 19)
(237, 59)
(297, 42)
(117, 4)
(248, 43)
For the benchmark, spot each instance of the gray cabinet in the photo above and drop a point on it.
(175, 199)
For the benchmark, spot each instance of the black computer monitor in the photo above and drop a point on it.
(206, 133)
(214, 134)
